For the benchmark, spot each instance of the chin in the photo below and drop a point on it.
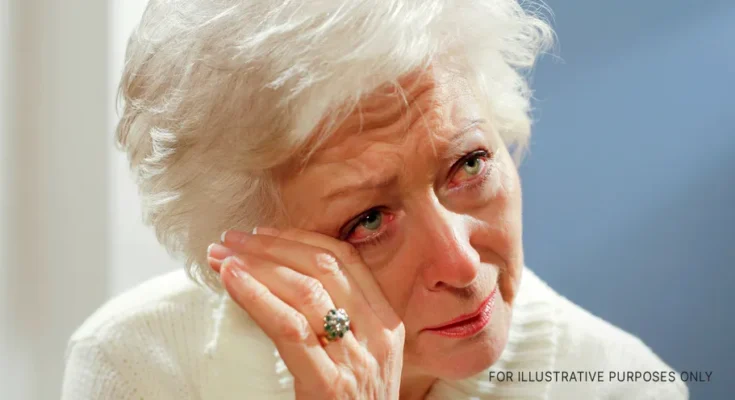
(455, 359)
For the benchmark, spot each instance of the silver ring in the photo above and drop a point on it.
(336, 324)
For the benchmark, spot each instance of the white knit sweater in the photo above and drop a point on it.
(168, 339)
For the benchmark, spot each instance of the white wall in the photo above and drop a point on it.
(56, 225)
(14, 366)
(70, 230)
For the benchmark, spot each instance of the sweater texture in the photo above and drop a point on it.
(169, 339)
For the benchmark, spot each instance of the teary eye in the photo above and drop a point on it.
(368, 228)
(372, 220)
(472, 166)
(468, 168)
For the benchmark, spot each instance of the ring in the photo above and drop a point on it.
(336, 324)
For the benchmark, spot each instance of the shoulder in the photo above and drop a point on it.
(586, 342)
(149, 336)
(171, 298)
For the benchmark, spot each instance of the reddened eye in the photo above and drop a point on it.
(370, 228)
(372, 220)
(469, 168)
(473, 166)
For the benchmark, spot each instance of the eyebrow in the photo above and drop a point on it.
(383, 182)
(471, 124)
(369, 183)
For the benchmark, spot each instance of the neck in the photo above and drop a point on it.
(415, 386)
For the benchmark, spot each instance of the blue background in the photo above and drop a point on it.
(629, 186)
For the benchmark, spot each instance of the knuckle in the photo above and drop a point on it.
(326, 263)
(254, 295)
(358, 368)
(311, 292)
(388, 343)
(295, 329)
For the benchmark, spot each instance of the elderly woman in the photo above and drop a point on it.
(360, 158)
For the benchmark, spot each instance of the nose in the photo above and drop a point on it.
(449, 261)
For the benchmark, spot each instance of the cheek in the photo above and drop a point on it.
(512, 211)
(509, 199)
(504, 201)
(499, 209)
(509, 234)
(497, 237)
(397, 279)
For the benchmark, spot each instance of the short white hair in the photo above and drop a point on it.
(218, 93)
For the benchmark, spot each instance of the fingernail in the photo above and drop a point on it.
(219, 252)
(215, 264)
(235, 262)
(233, 236)
(264, 230)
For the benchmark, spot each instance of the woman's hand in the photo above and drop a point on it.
(288, 281)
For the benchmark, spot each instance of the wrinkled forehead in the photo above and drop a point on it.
(396, 138)
(425, 107)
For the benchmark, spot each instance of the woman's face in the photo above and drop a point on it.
(430, 197)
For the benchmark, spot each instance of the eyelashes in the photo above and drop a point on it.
(376, 238)
(481, 175)
(374, 241)
(383, 232)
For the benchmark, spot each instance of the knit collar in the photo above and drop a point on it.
(242, 362)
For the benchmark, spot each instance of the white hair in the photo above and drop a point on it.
(219, 93)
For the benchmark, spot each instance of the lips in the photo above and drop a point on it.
(467, 324)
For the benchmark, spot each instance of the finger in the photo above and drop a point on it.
(297, 245)
(289, 330)
(216, 253)
(346, 253)
(295, 256)
(304, 294)
(317, 262)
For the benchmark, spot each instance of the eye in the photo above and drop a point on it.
(372, 220)
(368, 228)
(470, 168)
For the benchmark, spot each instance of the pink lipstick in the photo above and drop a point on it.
(468, 324)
